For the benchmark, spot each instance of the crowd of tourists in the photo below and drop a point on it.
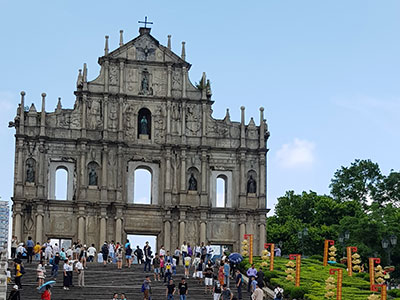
(214, 274)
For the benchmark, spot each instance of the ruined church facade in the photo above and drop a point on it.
(141, 112)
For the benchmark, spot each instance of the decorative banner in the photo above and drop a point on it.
(250, 238)
(298, 265)
(272, 255)
(339, 282)
(350, 259)
(372, 261)
(326, 246)
(375, 288)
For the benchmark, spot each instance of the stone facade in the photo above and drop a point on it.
(142, 111)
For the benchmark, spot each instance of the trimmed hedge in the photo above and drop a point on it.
(312, 283)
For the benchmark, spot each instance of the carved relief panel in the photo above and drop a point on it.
(176, 118)
(193, 119)
(94, 114)
(132, 76)
(113, 116)
(129, 121)
(113, 75)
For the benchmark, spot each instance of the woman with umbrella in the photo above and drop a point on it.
(45, 290)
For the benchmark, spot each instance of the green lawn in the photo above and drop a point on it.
(312, 283)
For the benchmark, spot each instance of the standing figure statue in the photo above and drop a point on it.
(251, 185)
(92, 176)
(144, 129)
(192, 183)
(30, 172)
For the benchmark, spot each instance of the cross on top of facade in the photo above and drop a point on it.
(145, 22)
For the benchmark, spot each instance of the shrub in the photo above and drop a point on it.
(394, 293)
(316, 257)
(298, 292)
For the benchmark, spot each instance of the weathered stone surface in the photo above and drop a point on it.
(99, 144)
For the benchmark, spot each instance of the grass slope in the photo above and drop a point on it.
(312, 283)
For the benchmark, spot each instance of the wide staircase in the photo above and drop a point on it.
(102, 282)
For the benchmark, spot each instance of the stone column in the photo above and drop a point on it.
(204, 123)
(81, 228)
(39, 228)
(106, 66)
(183, 122)
(43, 116)
(103, 224)
(262, 237)
(169, 82)
(203, 232)
(18, 226)
(83, 118)
(105, 117)
(242, 180)
(121, 77)
(168, 116)
(204, 179)
(104, 174)
(168, 175)
(242, 231)
(120, 174)
(42, 172)
(82, 173)
(118, 230)
(167, 235)
(121, 119)
(242, 128)
(184, 76)
(262, 184)
(22, 114)
(183, 171)
(181, 232)
(19, 189)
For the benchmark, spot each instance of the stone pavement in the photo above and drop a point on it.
(101, 282)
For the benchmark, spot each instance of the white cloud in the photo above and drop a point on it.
(299, 153)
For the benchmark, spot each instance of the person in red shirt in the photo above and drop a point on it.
(46, 295)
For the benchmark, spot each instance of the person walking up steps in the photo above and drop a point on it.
(183, 289)
(104, 252)
(170, 290)
(146, 288)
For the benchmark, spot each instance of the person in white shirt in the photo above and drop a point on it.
(56, 249)
(69, 252)
(278, 293)
(92, 253)
(258, 294)
(111, 251)
(81, 273)
(209, 252)
(184, 251)
(162, 251)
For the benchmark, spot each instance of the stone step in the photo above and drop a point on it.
(101, 282)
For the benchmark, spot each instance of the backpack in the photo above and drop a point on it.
(143, 288)
(22, 269)
(187, 263)
(279, 295)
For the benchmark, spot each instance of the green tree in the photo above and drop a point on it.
(360, 182)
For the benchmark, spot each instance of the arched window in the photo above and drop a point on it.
(61, 183)
(144, 124)
(221, 191)
(142, 186)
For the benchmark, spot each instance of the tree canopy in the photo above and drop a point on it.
(363, 201)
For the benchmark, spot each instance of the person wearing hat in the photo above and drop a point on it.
(14, 295)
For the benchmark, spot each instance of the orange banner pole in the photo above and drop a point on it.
(250, 238)
(326, 250)
(298, 267)
(372, 261)
(375, 288)
(272, 256)
(339, 282)
(350, 259)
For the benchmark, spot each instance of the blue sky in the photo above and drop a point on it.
(327, 72)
